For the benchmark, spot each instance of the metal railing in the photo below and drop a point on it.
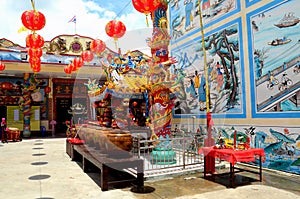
(176, 154)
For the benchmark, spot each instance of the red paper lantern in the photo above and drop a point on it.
(35, 52)
(34, 41)
(115, 29)
(97, 46)
(87, 56)
(36, 68)
(47, 89)
(145, 6)
(68, 69)
(33, 20)
(2, 66)
(34, 61)
(72, 67)
(77, 62)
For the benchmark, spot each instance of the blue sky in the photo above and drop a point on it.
(92, 16)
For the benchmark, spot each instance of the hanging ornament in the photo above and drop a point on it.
(87, 56)
(35, 52)
(2, 66)
(146, 6)
(34, 61)
(115, 29)
(72, 67)
(36, 68)
(35, 64)
(77, 62)
(97, 46)
(33, 20)
(34, 41)
(68, 69)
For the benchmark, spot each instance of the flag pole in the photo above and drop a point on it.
(205, 59)
(209, 141)
(74, 20)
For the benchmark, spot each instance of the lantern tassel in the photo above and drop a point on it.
(116, 42)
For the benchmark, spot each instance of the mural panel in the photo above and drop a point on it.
(224, 70)
(281, 145)
(184, 15)
(275, 56)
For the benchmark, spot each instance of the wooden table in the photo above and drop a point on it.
(233, 156)
(108, 164)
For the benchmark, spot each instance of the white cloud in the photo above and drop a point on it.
(89, 23)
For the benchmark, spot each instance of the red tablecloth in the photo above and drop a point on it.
(234, 156)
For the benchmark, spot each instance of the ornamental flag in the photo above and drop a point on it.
(73, 19)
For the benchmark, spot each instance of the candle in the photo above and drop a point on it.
(234, 140)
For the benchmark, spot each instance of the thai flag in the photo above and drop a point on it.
(73, 19)
(205, 4)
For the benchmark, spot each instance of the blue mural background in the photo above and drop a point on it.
(184, 15)
(271, 47)
(274, 57)
(223, 48)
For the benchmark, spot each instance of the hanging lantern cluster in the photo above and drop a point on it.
(34, 20)
(97, 46)
(115, 29)
(146, 6)
(34, 43)
(72, 67)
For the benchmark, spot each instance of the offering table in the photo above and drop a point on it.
(233, 156)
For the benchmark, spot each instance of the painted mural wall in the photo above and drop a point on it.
(252, 54)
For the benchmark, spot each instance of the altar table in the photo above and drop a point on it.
(232, 156)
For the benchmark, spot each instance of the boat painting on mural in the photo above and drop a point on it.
(288, 20)
(278, 42)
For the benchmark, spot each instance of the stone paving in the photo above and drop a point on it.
(41, 169)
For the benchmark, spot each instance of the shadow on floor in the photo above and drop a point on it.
(224, 179)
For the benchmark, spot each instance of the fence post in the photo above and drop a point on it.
(183, 150)
(138, 145)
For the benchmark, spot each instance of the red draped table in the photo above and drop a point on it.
(232, 156)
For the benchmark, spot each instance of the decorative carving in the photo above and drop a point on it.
(88, 45)
(56, 46)
(76, 47)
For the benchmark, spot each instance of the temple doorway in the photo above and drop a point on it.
(62, 107)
